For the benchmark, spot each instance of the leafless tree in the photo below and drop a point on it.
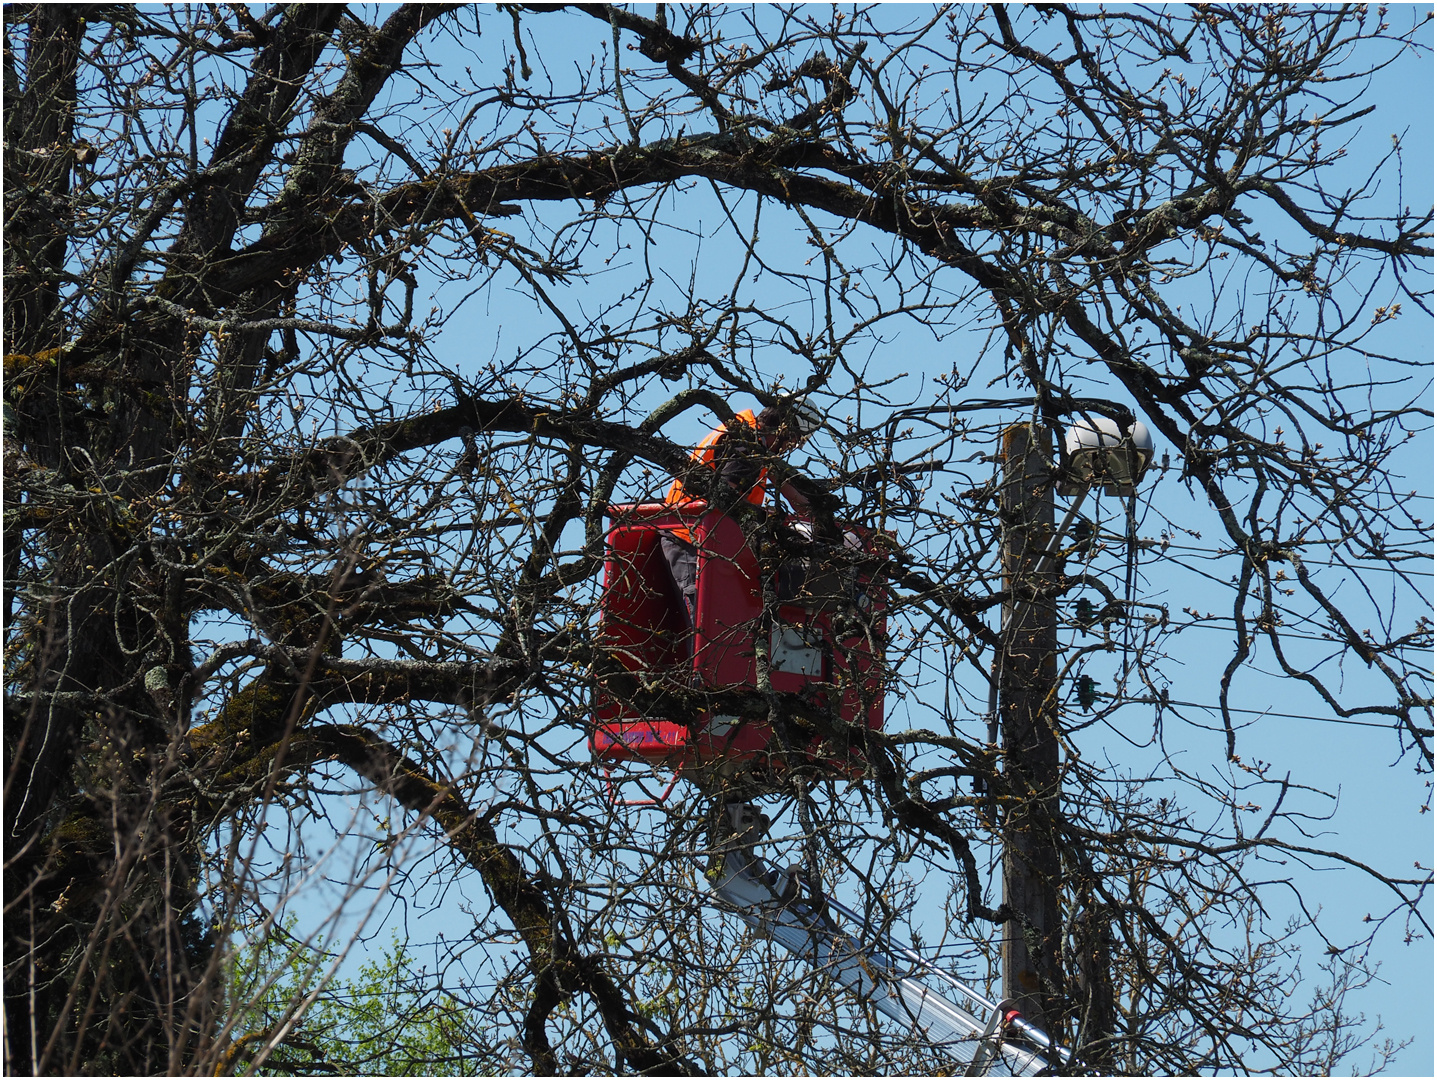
(331, 333)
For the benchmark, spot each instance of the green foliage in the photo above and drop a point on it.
(386, 1020)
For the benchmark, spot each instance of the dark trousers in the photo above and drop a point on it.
(683, 560)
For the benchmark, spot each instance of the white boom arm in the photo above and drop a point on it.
(895, 979)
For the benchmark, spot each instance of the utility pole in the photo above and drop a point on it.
(1027, 714)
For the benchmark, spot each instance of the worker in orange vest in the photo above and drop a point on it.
(731, 451)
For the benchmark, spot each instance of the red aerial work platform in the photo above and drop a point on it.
(825, 641)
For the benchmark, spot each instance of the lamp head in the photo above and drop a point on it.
(1097, 452)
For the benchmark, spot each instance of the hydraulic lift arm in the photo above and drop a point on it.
(986, 1036)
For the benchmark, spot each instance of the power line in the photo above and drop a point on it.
(1358, 568)
(1148, 544)
(1267, 712)
(1228, 627)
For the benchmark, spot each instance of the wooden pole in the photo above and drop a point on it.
(1027, 710)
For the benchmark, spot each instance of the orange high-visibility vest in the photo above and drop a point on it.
(705, 452)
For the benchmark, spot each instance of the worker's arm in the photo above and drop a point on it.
(795, 498)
